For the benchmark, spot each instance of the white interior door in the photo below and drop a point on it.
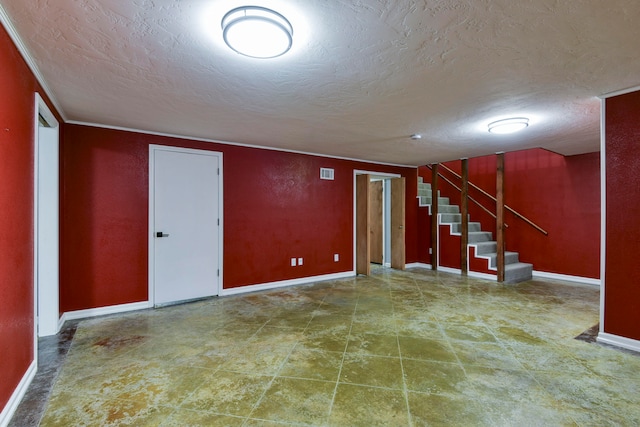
(184, 227)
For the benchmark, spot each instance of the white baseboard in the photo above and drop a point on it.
(18, 394)
(618, 341)
(568, 278)
(485, 276)
(418, 265)
(449, 270)
(101, 311)
(285, 283)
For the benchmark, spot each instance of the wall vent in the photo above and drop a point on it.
(326, 173)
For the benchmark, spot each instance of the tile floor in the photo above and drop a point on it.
(410, 348)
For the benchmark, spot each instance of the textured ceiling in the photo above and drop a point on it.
(362, 76)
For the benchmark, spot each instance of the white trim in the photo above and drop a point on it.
(24, 52)
(480, 256)
(618, 341)
(102, 311)
(151, 213)
(619, 92)
(18, 394)
(567, 278)
(438, 218)
(285, 283)
(236, 144)
(376, 174)
(63, 319)
(603, 209)
(417, 265)
(42, 109)
(449, 270)
(485, 276)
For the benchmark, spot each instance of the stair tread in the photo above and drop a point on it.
(517, 265)
(494, 254)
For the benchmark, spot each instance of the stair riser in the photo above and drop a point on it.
(448, 209)
(486, 248)
(509, 258)
(473, 227)
(519, 272)
(480, 236)
(448, 218)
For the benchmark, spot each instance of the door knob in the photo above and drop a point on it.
(161, 234)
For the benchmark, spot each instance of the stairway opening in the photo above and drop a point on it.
(481, 248)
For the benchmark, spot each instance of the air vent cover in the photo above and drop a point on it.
(326, 173)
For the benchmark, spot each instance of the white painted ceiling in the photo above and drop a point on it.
(362, 76)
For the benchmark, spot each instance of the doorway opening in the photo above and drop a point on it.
(379, 210)
(46, 221)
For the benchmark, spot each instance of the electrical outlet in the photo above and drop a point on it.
(336, 257)
(299, 261)
(430, 251)
(293, 262)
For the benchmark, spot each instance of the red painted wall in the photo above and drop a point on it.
(17, 86)
(275, 208)
(622, 269)
(560, 194)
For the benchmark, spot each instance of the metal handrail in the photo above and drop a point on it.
(519, 215)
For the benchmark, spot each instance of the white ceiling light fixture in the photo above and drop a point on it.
(257, 32)
(511, 125)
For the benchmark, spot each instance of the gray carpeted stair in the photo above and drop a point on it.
(515, 271)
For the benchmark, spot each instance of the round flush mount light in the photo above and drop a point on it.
(511, 125)
(257, 32)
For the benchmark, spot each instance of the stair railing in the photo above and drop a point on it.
(448, 181)
(513, 211)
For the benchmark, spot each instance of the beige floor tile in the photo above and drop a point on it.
(356, 406)
(373, 344)
(372, 370)
(426, 349)
(445, 410)
(484, 354)
(191, 418)
(296, 400)
(312, 364)
(229, 393)
(433, 377)
(334, 339)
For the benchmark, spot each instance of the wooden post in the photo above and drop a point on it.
(363, 240)
(500, 215)
(464, 211)
(434, 216)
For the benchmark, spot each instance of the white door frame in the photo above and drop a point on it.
(386, 205)
(46, 306)
(151, 232)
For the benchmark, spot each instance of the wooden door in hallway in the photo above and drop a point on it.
(397, 223)
(185, 206)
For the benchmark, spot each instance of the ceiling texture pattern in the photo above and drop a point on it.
(362, 76)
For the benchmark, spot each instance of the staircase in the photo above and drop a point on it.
(482, 249)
